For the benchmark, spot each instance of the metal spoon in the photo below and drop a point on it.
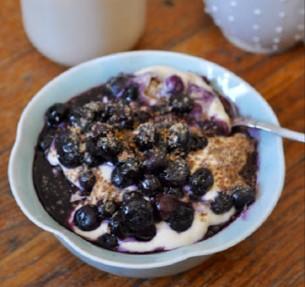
(286, 133)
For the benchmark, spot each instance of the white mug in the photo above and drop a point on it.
(261, 26)
(72, 31)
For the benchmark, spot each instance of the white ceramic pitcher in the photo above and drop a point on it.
(73, 31)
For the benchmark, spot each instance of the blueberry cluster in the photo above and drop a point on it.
(136, 215)
(155, 142)
(239, 197)
(94, 131)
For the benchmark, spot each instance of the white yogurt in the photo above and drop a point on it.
(167, 238)
(215, 109)
(72, 174)
(203, 218)
(163, 72)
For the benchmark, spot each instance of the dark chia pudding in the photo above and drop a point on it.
(145, 162)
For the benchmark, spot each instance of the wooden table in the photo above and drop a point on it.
(273, 256)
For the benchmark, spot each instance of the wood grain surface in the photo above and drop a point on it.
(272, 256)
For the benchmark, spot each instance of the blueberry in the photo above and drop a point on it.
(197, 142)
(201, 181)
(181, 103)
(125, 122)
(117, 84)
(174, 85)
(81, 116)
(182, 217)
(138, 214)
(145, 136)
(212, 230)
(130, 167)
(178, 136)
(178, 214)
(243, 197)
(131, 93)
(92, 156)
(102, 145)
(174, 191)
(125, 173)
(86, 181)
(156, 213)
(46, 140)
(91, 161)
(68, 150)
(109, 109)
(154, 160)
(102, 115)
(106, 209)
(56, 114)
(146, 234)
(150, 185)
(119, 179)
(108, 147)
(130, 195)
(176, 173)
(118, 226)
(105, 92)
(86, 218)
(121, 116)
(166, 204)
(222, 203)
(108, 241)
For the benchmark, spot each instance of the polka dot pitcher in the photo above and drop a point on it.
(260, 26)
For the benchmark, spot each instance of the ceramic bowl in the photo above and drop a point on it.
(95, 72)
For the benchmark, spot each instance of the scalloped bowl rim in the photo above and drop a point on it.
(158, 259)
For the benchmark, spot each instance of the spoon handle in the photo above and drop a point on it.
(283, 132)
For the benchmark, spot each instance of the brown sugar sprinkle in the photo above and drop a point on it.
(225, 157)
(125, 154)
(202, 216)
(164, 121)
(75, 130)
(94, 106)
(103, 190)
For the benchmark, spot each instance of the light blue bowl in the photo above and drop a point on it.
(95, 72)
